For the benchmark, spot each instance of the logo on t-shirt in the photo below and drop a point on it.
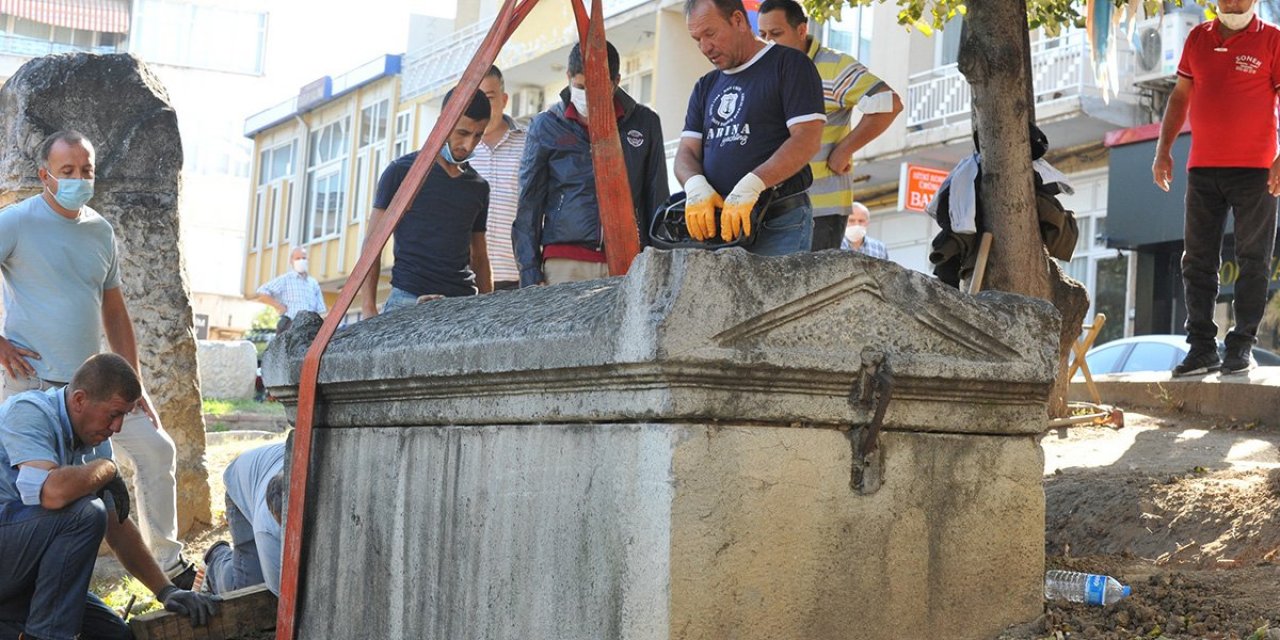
(1247, 64)
(726, 109)
(635, 138)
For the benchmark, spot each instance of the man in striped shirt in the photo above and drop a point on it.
(497, 160)
(846, 84)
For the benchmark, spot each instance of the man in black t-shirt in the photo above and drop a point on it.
(440, 247)
(753, 124)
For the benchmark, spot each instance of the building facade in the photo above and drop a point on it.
(1134, 284)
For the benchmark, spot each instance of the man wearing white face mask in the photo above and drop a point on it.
(290, 293)
(855, 235)
(557, 234)
(61, 293)
(1227, 82)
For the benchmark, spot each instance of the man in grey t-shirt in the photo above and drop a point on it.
(61, 294)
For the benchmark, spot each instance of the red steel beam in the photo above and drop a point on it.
(613, 190)
(290, 577)
(621, 240)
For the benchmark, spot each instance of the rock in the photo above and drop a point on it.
(122, 108)
(681, 453)
(228, 369)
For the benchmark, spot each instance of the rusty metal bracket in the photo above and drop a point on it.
(872, 390)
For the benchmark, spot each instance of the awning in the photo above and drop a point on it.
(108, 16)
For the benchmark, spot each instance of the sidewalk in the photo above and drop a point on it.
(1251, 397)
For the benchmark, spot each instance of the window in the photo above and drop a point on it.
(324, 208)
(369, 156)
(373, 123)
(1151, 356)
(1105, 360)
(326, 180)
(850, 32)
(205, 36)
(275, 176)
(257, 220)
(637, 79)
(948, 51)
(25, 37)
(404, 128)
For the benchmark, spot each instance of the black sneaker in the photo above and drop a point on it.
(1238, 360)
(187, 577)
(1200, 360)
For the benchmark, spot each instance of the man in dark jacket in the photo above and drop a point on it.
(557, 235)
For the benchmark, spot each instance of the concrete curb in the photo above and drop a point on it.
(1254, 396)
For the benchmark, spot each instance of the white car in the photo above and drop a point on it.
(1152, 353)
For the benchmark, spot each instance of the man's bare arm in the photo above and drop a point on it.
(70, 483)
(688, 159)
(793, 155)
(1175, 114)
(369, 305)
(480, 262)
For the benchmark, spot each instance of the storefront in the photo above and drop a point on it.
(1145, 219)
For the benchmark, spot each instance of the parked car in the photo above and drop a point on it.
(1152, 353)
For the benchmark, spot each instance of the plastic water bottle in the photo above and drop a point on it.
(1083, 587)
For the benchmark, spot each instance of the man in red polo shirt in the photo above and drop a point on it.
(1227, 79)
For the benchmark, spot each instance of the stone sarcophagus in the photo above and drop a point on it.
(717, 445)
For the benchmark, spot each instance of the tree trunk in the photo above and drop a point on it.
(995, 57)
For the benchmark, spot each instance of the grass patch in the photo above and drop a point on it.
(216, 407)
(117, 595)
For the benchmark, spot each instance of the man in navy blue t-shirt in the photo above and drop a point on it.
(752, 124)
(440, 247)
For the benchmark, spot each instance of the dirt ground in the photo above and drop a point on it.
(1185, 510)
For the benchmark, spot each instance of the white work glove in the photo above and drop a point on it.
(700, 204)
(735, 220)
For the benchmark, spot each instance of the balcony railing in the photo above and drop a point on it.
(15, 45)
(436, 67)
(1060, 69)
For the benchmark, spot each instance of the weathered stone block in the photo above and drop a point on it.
(124, 110)
(228, 369)
(688, 452)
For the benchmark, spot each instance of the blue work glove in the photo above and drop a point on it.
(198, 606)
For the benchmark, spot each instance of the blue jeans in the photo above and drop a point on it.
(398, 299)
(790, 232)
(44, 579)
(236, 566)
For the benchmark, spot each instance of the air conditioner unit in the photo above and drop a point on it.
(1157, 44)
(526, 103)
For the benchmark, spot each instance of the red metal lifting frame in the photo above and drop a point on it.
(621, 244)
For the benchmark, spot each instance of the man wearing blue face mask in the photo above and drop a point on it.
(440, 246)
(62, 292)
(557, 234)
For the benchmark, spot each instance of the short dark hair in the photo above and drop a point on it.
(105, 376)
(495, 72)
(795, 12)
(478, 109)
(275, 496)
(726, 7)
(69, 136)
(576, 66)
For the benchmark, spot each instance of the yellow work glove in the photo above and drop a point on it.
(700, 203)
(735, 220)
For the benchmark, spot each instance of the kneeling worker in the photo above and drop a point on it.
(60, 495)
(255, 495)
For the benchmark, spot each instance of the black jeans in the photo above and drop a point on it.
(828, 231)
(1211, 193)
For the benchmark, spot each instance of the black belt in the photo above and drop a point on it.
(786, 204)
